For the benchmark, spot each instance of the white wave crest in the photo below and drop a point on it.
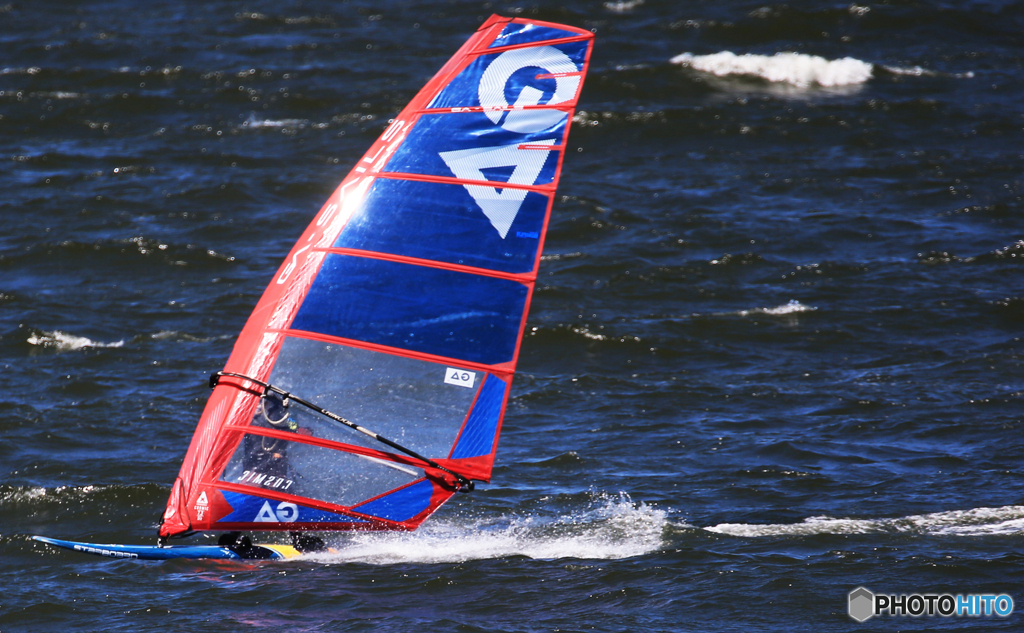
(792, 68)
(275, 123)
(616, 528)
(790, 308)
(588, 334)
(174, 335)
(60, 94)
(973, 522)
(22, 494)
(623, 6)
(253, 122)
(813, 525)
(917, 71)
(29, 494)
(32, 70)
(66, 342)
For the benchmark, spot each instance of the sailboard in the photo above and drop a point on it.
(167, 552)
(370, 383)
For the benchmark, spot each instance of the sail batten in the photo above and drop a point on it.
(429, 263)
(497, 184)
(401, 308)
(442, 360)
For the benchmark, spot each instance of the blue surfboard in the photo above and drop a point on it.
(154, 552)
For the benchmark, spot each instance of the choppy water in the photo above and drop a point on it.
(775, 352)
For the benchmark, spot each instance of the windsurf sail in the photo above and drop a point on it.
(370, 382)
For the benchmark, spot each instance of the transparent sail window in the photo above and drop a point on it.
(315, 472)
(418, 404)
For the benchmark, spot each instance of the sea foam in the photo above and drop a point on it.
(792, 68)
(66, 342)
(973, 522)
(613, 528)
(792, 307)
(623, 6)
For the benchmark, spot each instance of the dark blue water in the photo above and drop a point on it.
(774, 353)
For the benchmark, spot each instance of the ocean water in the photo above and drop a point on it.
(774, 353)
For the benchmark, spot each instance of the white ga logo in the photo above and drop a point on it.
(286, 513)
(501, 206)
(494, 79)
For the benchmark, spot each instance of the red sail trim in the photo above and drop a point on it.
(535, 146)
(478, 468)
(504, 369)
(375, 526)
(562, 40)
(497, 429)
(494, 19)
(397, 175)
(578, 73)
(466, 467)
(332, 444)
(554, 25)
(564, 106)
(551, 200)
(437, 499)
(523, 278)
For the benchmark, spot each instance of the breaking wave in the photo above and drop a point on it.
(790, 308)
(32, 495)
(253, 122)
(623, 6)
(614, 528)
(793, 307)
(66, 342)
(917, 71)
(799, 69)
(974, 522)
(792, 68)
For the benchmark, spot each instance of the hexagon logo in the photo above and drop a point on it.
(862, 604)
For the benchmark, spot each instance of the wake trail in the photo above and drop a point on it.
(1003, 520)
(615, 528)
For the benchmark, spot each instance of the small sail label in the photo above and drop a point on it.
(202, 505)
(460, 377)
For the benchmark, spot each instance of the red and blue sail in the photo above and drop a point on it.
(401, 307)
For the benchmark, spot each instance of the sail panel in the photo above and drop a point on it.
(516, 33)
(400, 505)
(395, 396)
(465, 145)
(313, 472)
(450, 223)
(477, 438)
(244, 508)
(542, 75)
(434, 311)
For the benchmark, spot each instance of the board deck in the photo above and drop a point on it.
(154, 552)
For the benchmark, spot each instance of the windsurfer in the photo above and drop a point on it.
(269, 457)
(242, 545)
(266, 455)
